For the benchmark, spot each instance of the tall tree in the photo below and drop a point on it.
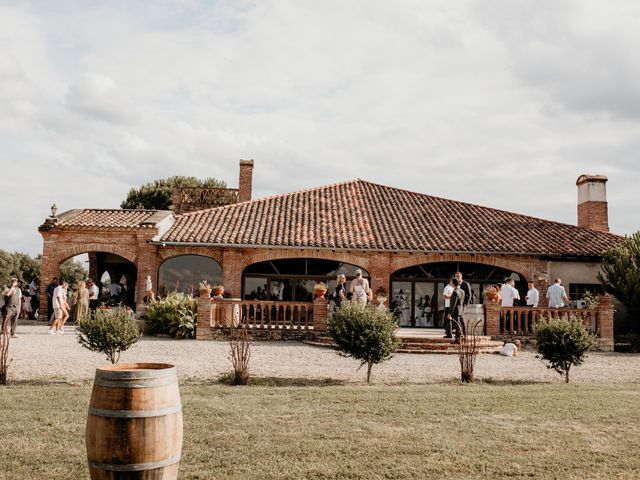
(620, 275)
(20, 265)
(157, 195)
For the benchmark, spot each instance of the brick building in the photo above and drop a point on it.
(276, 248)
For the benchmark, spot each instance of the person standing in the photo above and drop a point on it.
(466, 288)
(509, 293)
(533, 296)
(455, 308)
(556, 295)
(50, 289)
(446, 294)
(12, 306)
(94, 293)
(60, 308)
(339, 294)
(359, 289)
(34, 289)
(81, 300)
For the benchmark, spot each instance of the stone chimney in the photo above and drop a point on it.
(246, 180)
(593, 211)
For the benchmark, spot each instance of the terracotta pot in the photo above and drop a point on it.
(492, 296)
(205, 293)
(218, 291)
(320, 292)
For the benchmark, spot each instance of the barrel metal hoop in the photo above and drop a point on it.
(136, 374)
(134, 467)
(140, 383)
(103, 412)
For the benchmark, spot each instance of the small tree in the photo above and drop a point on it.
(563, 343)
(467, 348)
(620, 275)
(108, 331)
(240, 353)
(4, 355)
(364, 333)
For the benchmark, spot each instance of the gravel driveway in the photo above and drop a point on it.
(39, 356)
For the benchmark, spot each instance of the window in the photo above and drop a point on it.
(183, 274)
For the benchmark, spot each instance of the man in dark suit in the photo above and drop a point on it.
(455, 308)
(466, 288)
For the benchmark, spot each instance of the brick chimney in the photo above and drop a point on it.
(593, 211)
(246, 180)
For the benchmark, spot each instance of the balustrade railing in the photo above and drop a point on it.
(263, 315)
(522, 320)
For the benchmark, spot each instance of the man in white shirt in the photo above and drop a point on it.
(533, 296)
(60, 308)
(446, 294)
(556, 295)
(509, 293)
(94, 292)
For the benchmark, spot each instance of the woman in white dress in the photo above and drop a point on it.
(359, 289)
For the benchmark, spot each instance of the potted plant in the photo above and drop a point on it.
(205, 289)
(491, 294)
(218, 290)
(381, 296)
(320, 289)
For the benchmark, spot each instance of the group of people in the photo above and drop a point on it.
(359, 290)
(85, 298)
(509, 296)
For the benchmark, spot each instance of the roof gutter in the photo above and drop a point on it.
(333, 249)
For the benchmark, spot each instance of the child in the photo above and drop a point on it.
(510, 349)
(26, 306)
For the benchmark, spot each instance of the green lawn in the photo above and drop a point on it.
(353, 432)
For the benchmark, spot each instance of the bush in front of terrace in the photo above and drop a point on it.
(367, 333)
(108, 331)
(563, 343)
(174, 315)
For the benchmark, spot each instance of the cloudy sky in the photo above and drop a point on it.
(502, 103)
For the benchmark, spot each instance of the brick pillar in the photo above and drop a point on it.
(49, 269)
(491, 318)
(245, 184)
(203, 319)
(232, 272)
(380, 271)
(320, 312)
(146, 260)
(604, 325)
(93, 266)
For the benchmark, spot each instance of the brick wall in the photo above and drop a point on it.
(245, 182)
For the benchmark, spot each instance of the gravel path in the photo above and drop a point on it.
(37, 356)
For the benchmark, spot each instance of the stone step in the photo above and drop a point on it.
(423, 344)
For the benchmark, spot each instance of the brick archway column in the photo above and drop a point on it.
(232, 272)
(146, 264)
(49, 269)
(380, 270)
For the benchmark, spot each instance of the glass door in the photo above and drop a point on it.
(424, 315)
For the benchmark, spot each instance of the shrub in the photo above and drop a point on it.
(364, 333)
(108, 331)
(174, 315)
(240, 353)
(4, 355)
(563, 343)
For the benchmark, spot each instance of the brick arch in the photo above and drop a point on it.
(265, 256)
(126, 253)
(520, 266)
(166, 253)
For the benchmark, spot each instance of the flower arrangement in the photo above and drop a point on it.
(320, 286)
(491, 294)
(381, 292)
(204, 285)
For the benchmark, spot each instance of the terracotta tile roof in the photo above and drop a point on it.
(363, 215)
(105, 219)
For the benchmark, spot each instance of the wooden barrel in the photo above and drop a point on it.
(134, 426)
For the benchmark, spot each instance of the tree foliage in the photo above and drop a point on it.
(20, 265)
(367, 334)
(620, 274)
(157, 195)
(108, 331)
(563, 343)
(72, 272)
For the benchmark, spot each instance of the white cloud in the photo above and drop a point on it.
(500, 103)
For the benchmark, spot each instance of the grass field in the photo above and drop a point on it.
(353, 432)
